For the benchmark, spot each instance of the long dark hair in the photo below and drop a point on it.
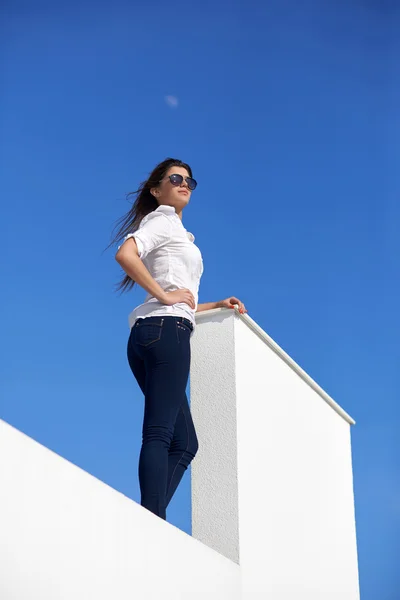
(144, 204)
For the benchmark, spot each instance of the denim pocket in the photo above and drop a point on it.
(148, 332)
(183, 325)
(183, 331)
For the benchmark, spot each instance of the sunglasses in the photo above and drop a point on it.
(176, 179)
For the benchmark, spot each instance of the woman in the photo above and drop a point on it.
(158, 253)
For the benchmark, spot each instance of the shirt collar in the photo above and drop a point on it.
(170, 210)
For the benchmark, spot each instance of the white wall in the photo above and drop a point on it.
(215, 517)
(272, 482)
(66, 535)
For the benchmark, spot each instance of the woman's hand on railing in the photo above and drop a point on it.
(230, 303)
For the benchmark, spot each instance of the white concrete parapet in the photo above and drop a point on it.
(272, 485)
(65, 535)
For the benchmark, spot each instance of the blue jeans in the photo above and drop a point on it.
(159, 357)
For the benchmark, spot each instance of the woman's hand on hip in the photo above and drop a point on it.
(230, 303)
(182, 295)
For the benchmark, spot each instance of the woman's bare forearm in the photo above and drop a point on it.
(207, 306)
(134, 267)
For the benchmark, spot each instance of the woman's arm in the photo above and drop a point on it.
(208, 306)
(227, 303)
(128, 257)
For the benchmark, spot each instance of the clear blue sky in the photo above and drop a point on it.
(289, 114)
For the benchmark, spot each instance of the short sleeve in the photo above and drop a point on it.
(154, 230)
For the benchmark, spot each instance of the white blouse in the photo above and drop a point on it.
(168, 252)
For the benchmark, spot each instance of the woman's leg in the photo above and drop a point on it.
(184, 443)
(166, 359)
(183, 449)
